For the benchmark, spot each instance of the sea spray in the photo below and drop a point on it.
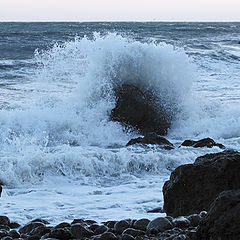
(68, 110)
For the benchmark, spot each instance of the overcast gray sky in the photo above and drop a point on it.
(119, 10)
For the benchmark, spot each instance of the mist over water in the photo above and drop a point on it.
(57, 92)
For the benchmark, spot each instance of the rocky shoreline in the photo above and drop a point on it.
(211, 186)
(128, 229)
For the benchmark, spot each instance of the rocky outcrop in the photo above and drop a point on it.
(205, 142)
(223, 218)
(193, 187)
(137, 109)
(152, 138)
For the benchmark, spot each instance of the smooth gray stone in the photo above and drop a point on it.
(160, 224)
(141, 224)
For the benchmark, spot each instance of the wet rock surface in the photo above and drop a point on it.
(205, 142)
(223, 218)
(161, 228)
(193, 187)
(135, 108)
(152, 138)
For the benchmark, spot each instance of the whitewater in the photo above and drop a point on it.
(61, 157)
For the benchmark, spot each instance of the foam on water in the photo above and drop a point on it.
(59, 149)
(72, 99)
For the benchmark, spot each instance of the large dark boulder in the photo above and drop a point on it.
(205, 142)
(223, 218)
(140, 110)
(193, 187)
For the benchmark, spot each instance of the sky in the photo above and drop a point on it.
(119, 10)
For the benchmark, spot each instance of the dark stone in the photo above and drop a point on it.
(181, 222)
(0, 190)
(137, 109)
(160, 224)
(101, 229)
(108, 236)
(93, 227)
(77, 221)
(133, 232)
(152, 231)
(206, 142)
(40, 230)
(141, 224)
(40, 220)
(90, 221)
(156, 210)
(13, 225)
(110, 224)
(193, 187)
(127, 237)
(63, 225)
(33, 237)
(194, 219)
(223, 218)
(120, 226)
(7, 238)
(4, 227)
(14, 234)
(29, 227)
(79, 231)
(203, 214)
(61, 233)
(4, 220)
(180, 237)
(3, 233)
(152, 138)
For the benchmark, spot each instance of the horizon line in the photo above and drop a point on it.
(122, 21)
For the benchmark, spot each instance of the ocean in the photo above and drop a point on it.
(61, 157)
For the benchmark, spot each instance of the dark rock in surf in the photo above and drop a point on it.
(136, 109)
(4, 220)
(205, 142)
(152, 138)
(61, 233)
(79, 231)
(193, 187)
(223, 218)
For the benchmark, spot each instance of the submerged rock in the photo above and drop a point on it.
(152, 138)
(137, 109)
(205, 142)
(193, 187)
(223, 218)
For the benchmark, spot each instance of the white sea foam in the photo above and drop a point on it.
(72, 99)
(59, 148)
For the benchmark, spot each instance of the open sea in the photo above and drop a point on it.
(60, 155)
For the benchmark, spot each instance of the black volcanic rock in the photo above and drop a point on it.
(152, 138)
(193, 187)
(223, 218)
(205, 142)
(138, 109)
